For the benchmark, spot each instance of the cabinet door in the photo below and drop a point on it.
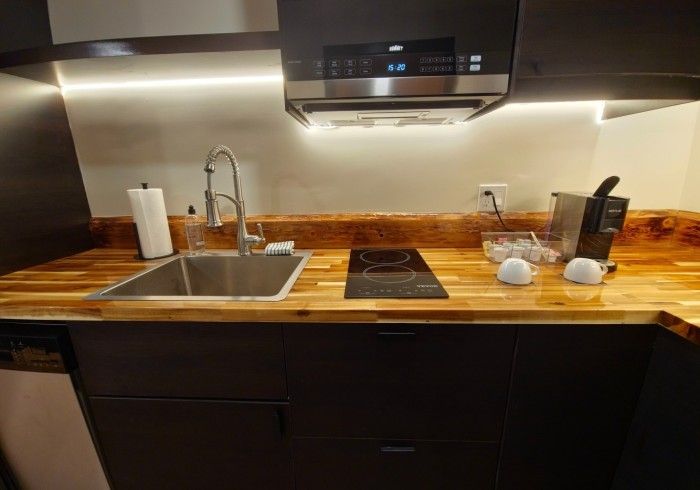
(572, 399)
(399, 381)
(353, 464)
(24, 25)
(187, 444)
(599, 49)
(187, 360)
(664, 440)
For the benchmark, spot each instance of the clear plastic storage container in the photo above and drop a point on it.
(498, 246)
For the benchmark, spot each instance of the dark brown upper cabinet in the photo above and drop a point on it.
(43, 63)
(603, 50)
(24, 24)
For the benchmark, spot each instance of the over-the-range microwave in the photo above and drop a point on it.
(388, 62)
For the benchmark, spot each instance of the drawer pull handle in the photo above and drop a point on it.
(396, 334)
(397, 449)
(279, 418)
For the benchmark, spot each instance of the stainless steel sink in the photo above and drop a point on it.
(221, 276)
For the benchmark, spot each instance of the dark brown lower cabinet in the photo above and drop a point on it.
(573, 395)
(399, 381)
(232, 361)
(194, 444)
(391, 406)
(366, 464)
(663, 446)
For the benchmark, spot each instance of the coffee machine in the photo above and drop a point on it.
(587, 223)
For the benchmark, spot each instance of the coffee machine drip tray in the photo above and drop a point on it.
(391, 273)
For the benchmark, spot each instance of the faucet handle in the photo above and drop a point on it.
(260, 232)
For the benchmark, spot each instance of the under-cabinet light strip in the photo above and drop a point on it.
(181, 82)
(600, 112)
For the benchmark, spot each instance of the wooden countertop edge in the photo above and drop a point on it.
(126, 310)
(30, 295)
(588, 316)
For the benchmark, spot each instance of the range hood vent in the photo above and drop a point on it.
(396, 120)
(413, 111)
(418, 104)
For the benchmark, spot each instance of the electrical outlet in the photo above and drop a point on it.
(485, 203)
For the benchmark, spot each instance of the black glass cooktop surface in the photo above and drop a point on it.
(391, 273)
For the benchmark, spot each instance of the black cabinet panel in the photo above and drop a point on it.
(572, 399)
(353, 464)
(663, 446)
(25, 24)
(189, 444)
(576, 49)
(189, 360)
(399, 381)
(42, 198)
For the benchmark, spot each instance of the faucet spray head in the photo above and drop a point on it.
(213, 214)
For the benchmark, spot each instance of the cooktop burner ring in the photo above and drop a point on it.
(403, 257)
(386, 278)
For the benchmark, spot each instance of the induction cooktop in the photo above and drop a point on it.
(391, 273)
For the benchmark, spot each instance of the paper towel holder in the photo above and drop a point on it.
(139, 255)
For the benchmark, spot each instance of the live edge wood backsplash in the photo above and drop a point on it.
(406, 230)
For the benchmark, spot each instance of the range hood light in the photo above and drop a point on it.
(321, 126)
(178, 82)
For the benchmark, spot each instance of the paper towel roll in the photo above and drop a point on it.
(148, 210)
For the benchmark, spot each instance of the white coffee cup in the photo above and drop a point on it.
(517, 271)
(585, 271)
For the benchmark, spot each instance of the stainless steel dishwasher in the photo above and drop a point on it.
(44, 438)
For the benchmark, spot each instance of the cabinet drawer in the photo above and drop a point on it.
(188, 360)
(340, 464)
(188, 444)
(399, 381)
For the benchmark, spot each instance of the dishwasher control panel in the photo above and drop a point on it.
(31, 353)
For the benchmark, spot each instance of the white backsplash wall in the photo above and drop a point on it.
(650, 152)
(690, 200)
(161, 136)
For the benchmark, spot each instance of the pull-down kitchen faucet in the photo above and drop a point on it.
(213, 216)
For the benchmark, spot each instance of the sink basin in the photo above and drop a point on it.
(220, 276)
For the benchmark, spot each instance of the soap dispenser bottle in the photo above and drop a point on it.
(194, 232)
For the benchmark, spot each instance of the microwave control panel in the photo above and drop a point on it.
(387, 65)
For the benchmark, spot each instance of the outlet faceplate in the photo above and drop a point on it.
(485, 203)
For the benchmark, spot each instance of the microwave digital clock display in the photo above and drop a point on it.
(391, 67)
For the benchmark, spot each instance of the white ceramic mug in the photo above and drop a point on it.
(585, 271)
(517, 271)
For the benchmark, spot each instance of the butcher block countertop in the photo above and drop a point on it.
(652, 284)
